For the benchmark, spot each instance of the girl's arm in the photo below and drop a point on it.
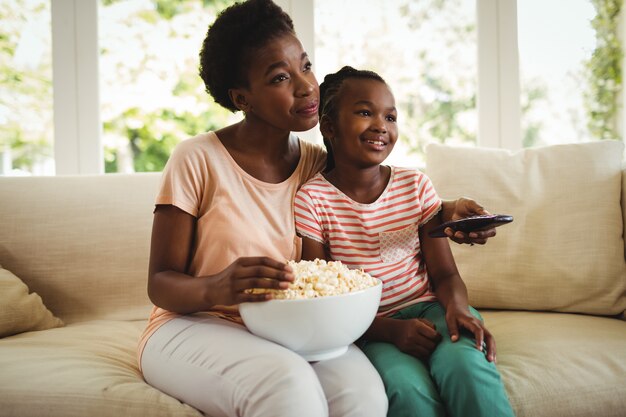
(417, 337)
(172, 288)
(312, 249)
(450, 289)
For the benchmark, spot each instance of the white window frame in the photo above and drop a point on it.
(498, 97)
(75, 81)
(78, 146)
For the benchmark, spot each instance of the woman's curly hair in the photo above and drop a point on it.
(231, 40)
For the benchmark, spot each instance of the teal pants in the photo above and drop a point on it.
(457, 380)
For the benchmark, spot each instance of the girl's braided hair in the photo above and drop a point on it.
(329, 93)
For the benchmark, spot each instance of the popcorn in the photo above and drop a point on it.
(319, 278)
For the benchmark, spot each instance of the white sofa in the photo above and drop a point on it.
(551, 286)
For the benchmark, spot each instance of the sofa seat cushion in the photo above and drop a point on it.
(561, 365)
(552, 364)
(87, 369)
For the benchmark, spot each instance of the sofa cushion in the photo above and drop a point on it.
(565, 250)
(21, 311)
(561, 365)
(86, 369)
(81, 242)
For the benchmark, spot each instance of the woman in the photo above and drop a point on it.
(223, 224)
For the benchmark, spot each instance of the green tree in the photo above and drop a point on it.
(531, 94)
(604, 70)
(142, 135)
(441, 100)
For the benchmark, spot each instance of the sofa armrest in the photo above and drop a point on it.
(624, 205)
(624, 216)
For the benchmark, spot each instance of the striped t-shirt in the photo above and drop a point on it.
(380, 237)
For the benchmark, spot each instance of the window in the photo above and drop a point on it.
(26, 126)
(425, 50)
(151, 94)
(126, 88)
(555, 49)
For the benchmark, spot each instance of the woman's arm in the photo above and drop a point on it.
(172, 288)
(461, 208)
(450, 289)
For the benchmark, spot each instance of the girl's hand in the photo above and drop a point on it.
(459, 209)
(416, 337)
(458, 317)
(230, 286)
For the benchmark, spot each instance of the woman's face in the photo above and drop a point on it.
(283, 91)
(365, 130)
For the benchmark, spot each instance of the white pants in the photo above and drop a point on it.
(222, 369)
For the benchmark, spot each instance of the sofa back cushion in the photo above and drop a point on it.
(80, 242)
(565, 249)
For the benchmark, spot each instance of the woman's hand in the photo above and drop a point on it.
(460, 317)
(416, 337)
(459, 209)
(172, 288)
(232, 285)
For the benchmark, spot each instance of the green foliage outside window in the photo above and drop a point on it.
(25, 87)
(141, 138)
(605, 71)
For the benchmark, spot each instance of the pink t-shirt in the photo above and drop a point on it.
(382, 237)
(237, 214)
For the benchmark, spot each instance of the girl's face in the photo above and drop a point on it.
(365, 129)
(283, 91)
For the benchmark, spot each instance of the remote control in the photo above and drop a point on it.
(472, 224)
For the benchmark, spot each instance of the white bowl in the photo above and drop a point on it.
(316, 328)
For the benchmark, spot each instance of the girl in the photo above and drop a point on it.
(432, 350)
(223, 224)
